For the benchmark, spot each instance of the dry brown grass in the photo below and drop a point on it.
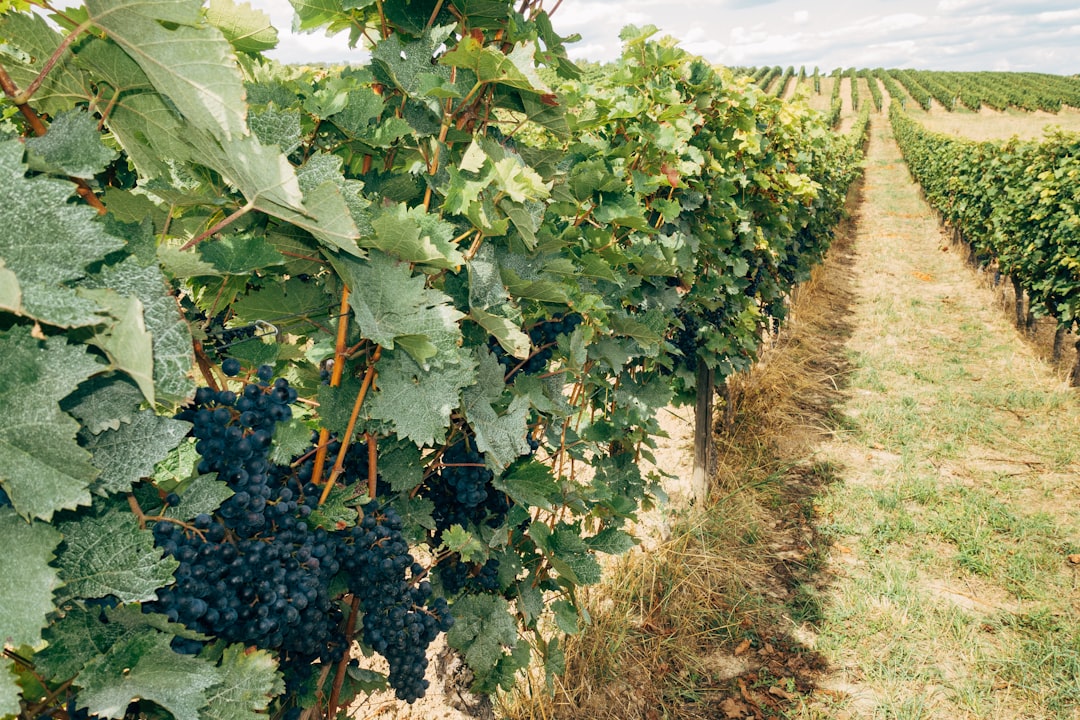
(990, 124)
(704, 624)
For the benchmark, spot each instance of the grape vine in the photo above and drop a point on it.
(322, 352)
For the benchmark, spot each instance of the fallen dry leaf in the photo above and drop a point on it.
(779, 692)
(742, 647)
(842, 548)
(734, 709)
(1075, 558)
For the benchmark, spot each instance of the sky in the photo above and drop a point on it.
(925, 34)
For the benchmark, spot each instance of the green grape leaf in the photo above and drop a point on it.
(530, 483)
(566, 617)
(247, 29)
(81, 635)
(26, 595)
(339, 510)
(204, 494)
(10, 292)
(72, 146)
(65, 85)
(505, 331)
(282, 301)
(188, 62)
(483, 630)
(274, 126)
(572, 557)
(530, 600)
(516, 69)
(326, 216)
(113, 68)
(248, 680)
(178, 466)
(415, 236)
(111, 555)
(48, 242)
(501, 436)
(181, 264)
(490, 305)
(611, 541)
(74, 639)
(42, 468)
(126, 341)
(336, 404)
(103, 402)
(324, 169)
(9, 689)
(391, 303)
(240, 254)
(169, 332)
(458, 539)
(142, 665)
(415, 401)
(129, 453)
(407, 64)
(367, 681)
(363, 107)
(290, 439)
(416, 512)
(400, 465)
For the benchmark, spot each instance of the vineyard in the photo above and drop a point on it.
(311, 370)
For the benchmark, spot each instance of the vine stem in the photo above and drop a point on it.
(25, 95)
(372, 463)
(343, 664)
(240, 212)
(335, 381)
(339, 464)
(434, 14)
(143, 517)
(34, 120)
(444, 130)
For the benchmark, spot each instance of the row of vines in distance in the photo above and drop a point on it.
(1017, 203)
(297, 359)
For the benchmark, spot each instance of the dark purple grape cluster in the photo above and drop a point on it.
(401, 617)
(253, 572)
(465, 471)
(461, 490)
(258, 571)
(457, 576)
(543, 337)
(686, 339)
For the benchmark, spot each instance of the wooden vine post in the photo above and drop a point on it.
(703, 445)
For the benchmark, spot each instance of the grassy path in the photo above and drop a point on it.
(947, 589)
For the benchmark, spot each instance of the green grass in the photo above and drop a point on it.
(957, 600)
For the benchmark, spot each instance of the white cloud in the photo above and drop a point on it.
(935, 34)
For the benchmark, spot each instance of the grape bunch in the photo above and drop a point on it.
(543, 337)
(254, 572)
(459, 576)
(686, 338)
(464, 470)
(401, 618)
(258, 571)
(462, 492)
(218, 337)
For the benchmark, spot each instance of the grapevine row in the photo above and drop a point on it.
(1015, 202)
(356, 355)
